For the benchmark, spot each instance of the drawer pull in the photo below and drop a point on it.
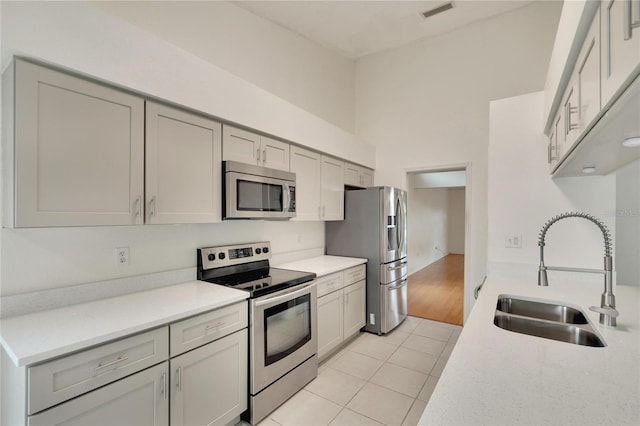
(213, 327)
(110, 363)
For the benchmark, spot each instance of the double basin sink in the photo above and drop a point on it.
(550, 320)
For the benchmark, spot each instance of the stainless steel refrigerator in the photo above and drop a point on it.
(375, 227)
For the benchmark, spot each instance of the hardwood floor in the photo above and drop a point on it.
(436, 292)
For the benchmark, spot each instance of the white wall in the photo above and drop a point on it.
(456, 222)
(255, 49)
(81, 37)
(426, 105)
(427, 220)
(627, 214)
(39, 259)
(522, 196)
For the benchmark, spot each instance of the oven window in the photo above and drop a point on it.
(287, 328)
(261, 197)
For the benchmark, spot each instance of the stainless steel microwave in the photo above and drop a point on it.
(254, 192)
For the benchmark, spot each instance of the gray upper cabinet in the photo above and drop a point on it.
(183, 177)
(251, 148)
(588, 77)
(79, 151)
(620, 29)
(599, 105)
(356, 176)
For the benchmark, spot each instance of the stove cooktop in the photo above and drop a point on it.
(263, 281)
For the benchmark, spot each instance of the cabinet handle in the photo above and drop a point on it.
(630, 21)
(264, 155)
(152, 206)
(164, 385)
(568, 111)
(136, 206)
(110, 363)
(324, 211)
(179, 378)
(258, 155)
(210, 327)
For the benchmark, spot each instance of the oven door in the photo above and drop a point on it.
(249, 196)
(283, 333)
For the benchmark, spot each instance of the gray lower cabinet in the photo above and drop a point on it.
(209, 384)
(140, 399)
(341, 308)
(198, 376)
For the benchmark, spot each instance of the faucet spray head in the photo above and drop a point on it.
(543, 281)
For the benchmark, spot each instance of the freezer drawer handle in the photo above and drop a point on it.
(391, 268)
(402, 284)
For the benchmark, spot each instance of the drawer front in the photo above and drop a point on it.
(355, 274)
(64, 378)
(205, 328)
(329, 283)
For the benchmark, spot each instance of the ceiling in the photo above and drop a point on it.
(359, 28)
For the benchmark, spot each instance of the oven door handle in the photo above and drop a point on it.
(288, 295)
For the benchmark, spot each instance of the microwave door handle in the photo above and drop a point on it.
(285, 206)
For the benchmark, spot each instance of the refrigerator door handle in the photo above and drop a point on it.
(401, 224)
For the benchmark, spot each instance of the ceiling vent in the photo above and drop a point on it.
(436, 10)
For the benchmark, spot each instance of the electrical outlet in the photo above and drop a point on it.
(122, 256)
(513, 241)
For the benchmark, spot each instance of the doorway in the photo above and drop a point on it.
(436, 244)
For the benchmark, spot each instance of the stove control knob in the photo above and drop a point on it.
(221, 256)
(211, 257)
(258, 250)
(265, 249)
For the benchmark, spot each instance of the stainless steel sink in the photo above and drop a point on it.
(544, 319)
(541, 310)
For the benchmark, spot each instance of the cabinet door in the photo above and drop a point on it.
(330, 322)
(332, 175)
(183, 167)
(588, 77)
(352, 175)
(275, 154)
(354, 308)
(240, 145)
(306, 165)
(140, 399)
(620, 44)
(367, 177)
(209, 385)
(79, 151)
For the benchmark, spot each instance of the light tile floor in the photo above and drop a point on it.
(375, 380)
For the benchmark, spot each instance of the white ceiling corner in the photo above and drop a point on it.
(359, 28)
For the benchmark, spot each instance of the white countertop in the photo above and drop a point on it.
(497, 377)
(39, 336)
(323, 265)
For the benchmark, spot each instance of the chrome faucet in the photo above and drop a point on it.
(607, 309)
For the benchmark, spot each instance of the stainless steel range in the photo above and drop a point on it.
(283, 338)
